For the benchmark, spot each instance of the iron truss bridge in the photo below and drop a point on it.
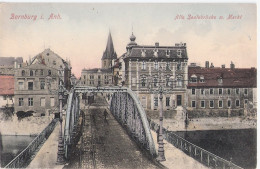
(124, 105)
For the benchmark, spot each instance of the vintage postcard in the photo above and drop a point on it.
(128, 85)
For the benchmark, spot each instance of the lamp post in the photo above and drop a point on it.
(161, 156)
(60, 153)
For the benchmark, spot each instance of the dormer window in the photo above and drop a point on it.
(202, 80)
(155, 52)
(143, 52)
(220, 80)
(179, 53)
(193, 78)
(168, 52)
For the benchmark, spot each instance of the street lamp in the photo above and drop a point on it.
(60, 153)
(161, 156)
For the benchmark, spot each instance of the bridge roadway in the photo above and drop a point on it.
(105, 144)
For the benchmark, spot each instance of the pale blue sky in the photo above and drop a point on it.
(82, 32)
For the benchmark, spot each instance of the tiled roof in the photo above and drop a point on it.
(96, 70)
(6, 85)
(236, 77)
(7, 61)
(149, 51)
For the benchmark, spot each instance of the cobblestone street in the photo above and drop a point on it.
(105, 144)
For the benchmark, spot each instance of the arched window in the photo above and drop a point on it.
(31, 73)
(23, 73)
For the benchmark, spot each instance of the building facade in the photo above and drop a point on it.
(221, 91)
(6, 91)
(101, 76)
(36, 84)
(149, 67)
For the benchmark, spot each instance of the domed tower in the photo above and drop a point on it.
(131, 43)
(109, 54)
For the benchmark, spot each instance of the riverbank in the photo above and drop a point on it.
(26, 126)
(176, 123)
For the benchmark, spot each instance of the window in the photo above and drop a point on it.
(202, 91)
(54, 62)
(143, 65)
(20, 86)
(30, 85)
(193, 103)
(23, 73)
(167, 66)
(31, 73)
(143, 81)
(229, 91)
(30, 101)
(155, 82)
(84, 77)
(156, 101)
(20, 101)
(99, 83)
(42, 102)
(167, 82)
(193, 91)
(179, 81)
(193, 78)
(220, 91)
(211, 103)
(41, 72)
(237, 91)
(42, 85)
(52, 101)
(167, 101)
(49, 72)
(202, 104)
(99, 77)
(229, 103)
(220, 103)
(202, 79)
(237, 103)
(245, 102)
(178, 66)
(179, 52)
(211, 91)
(167, 52)
(156, 65)
(245, 91)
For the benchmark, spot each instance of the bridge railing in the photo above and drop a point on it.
(198, 153)
(127, 109)
(21, 160)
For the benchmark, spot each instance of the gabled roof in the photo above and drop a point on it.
(236, 77)
(6, 85)
(109, 52)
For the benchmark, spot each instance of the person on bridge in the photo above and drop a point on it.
(105, 114)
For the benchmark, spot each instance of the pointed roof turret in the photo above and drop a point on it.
(109, 52)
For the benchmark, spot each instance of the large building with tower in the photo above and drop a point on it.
(148, 67)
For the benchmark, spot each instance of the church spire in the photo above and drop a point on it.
(109, 52)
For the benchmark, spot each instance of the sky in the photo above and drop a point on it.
(81, 33)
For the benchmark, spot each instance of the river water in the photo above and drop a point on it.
(12, 146)
(238, 145)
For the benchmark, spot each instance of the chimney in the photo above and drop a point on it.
(156, 44)
(211, 66)
(207, 64)
(223, 66)
(232, 65)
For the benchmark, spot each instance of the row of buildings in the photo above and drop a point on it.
(202, 91)
(33, 87)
